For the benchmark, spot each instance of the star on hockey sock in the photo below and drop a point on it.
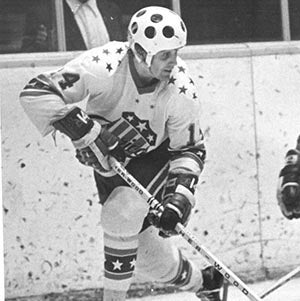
(117, 265)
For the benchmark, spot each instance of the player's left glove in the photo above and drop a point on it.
(288, 190)
(178, 201)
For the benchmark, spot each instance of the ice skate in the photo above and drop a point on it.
(212, 282)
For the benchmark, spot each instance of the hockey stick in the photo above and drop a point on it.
(155, 204)
(281, 281)
(271, 289)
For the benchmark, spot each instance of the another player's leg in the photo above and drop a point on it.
(160, 261)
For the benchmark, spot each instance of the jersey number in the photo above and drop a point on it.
(68, 80)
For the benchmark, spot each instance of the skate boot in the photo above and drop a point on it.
(212, 282)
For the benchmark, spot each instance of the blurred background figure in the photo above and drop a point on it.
(88, 24)
(91, 23)
(15, 19)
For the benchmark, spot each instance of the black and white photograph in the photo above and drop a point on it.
(150, 150)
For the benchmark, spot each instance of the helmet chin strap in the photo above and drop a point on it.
(149, 60)
(148, 68)
(148, 63)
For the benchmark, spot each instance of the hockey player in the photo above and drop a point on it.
(288, 190)
(143, 109)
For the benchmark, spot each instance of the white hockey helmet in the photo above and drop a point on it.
(156, 28)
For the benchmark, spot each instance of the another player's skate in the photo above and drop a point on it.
(212, 282)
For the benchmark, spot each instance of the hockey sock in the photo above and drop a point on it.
(188, 276)
(120, 258)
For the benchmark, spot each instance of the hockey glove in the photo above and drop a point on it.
(83, 131)
(288, 190)
(178, 201)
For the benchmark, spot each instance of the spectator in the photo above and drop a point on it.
(85, 23)
(113, 16)
(38, 28)
(88, 24)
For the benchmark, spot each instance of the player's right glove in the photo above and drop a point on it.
(288, 190)
(84, 132)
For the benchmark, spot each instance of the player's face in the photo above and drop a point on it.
(163, 63)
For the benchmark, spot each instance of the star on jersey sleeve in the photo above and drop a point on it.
(186, 138)
(182, 82)
(45, 97)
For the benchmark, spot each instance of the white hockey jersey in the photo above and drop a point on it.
(142, 117)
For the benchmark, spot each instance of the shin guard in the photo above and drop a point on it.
(122, 218)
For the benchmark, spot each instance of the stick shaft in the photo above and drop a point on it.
(217, 264)
(280, 282)
(155, 204)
